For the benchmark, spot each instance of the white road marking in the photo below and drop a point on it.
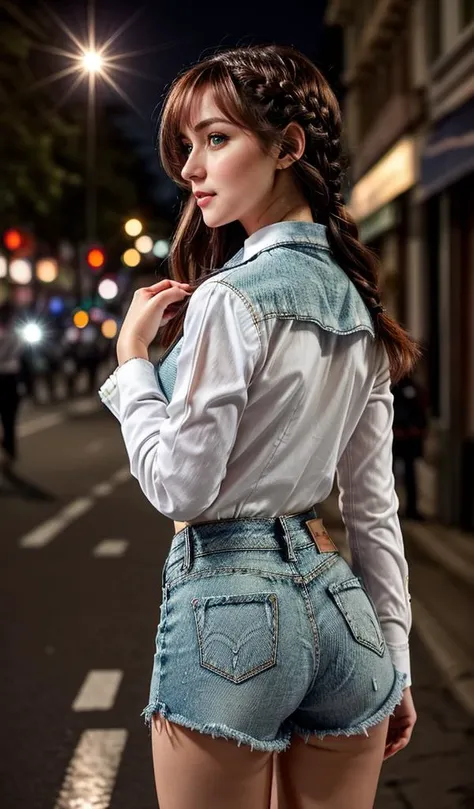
(43, 534)
(98, 690)
(111, 547)
(90, 777)
(102, 489)
(77, 508)
(40, 423)
(122, 475)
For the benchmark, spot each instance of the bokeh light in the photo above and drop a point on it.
(12, 239)
(56, 305)
(20, 271)
(95, 258)
(133, 227)
(144, 244)
(47, 270)
(161, 248)
(109, 329)
(131, 257)
(80, 319)
(108, 289)
(3, 267)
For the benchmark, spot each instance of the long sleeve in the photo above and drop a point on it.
(369, 508)
(179, 451)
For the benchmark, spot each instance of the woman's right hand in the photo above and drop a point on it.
(401, 724)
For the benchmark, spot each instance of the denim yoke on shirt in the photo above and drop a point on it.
(293, 279)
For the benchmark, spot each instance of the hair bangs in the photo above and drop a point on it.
(178, 111)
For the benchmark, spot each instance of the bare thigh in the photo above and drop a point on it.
(196, 771)
(336, 772)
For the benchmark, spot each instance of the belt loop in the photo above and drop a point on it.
(291, 556)
(186, 566)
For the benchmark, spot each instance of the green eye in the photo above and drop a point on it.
(223, 138)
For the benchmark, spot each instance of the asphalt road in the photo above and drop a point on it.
(78, 621)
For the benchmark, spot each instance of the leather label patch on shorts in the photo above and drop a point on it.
(321, 538)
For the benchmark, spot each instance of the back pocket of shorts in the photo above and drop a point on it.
(237, 635)
(360, 615)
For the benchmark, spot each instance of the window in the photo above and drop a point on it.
(467, 12)
(433, 28)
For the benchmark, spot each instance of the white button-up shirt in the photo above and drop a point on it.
(259, 424)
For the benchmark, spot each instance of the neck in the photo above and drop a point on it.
(287, 204)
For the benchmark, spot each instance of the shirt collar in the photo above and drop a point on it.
(300, 232)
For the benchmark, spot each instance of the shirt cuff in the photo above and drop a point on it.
(401, 661)
(109, 394)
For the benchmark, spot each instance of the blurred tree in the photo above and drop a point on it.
(31, 178)
(43, 146)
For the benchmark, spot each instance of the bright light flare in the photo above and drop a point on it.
(92, 61)
(32, 333)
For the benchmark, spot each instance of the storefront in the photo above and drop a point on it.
(380, 203)
(447, 194)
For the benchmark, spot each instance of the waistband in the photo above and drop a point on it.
(289, 532)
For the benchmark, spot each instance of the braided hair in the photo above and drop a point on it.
(264, 88)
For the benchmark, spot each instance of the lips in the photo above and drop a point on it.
(201, 194)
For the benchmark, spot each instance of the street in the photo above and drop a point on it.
(80, 589)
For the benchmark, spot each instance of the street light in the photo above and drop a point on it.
(92, 61)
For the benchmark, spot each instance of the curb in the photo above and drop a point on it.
(451, 660)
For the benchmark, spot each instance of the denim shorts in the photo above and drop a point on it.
(262, 635)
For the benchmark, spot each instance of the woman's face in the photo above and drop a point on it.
(228, 162)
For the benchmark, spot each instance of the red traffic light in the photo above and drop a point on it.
(95, 258)
(12, 239)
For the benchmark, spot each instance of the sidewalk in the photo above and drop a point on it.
(441, 563)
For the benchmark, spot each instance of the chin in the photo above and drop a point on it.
(213, 221)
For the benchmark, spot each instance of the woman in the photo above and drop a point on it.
(276, 377)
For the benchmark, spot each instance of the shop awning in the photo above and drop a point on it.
(449, 152)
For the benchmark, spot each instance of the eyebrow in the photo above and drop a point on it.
(207, 122)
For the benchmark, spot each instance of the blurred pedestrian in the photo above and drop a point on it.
(11, 348)
(409, 432)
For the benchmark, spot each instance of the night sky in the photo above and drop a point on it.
(180, 32)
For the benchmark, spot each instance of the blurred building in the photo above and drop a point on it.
(409, 118)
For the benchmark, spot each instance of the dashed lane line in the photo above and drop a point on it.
(90, 777)
(111, 547)
(43, 534)
(40, 423)
(98, 690)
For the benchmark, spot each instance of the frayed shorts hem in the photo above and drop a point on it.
(217, 730)
(395, 697)
(222, 731)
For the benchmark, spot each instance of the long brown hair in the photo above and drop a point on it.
(263, 88)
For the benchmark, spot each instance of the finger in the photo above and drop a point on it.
(397, 744)
(166, 283)
(169, 296)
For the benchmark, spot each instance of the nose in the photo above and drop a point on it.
(193, 168)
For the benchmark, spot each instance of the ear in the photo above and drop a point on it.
(295, 134)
